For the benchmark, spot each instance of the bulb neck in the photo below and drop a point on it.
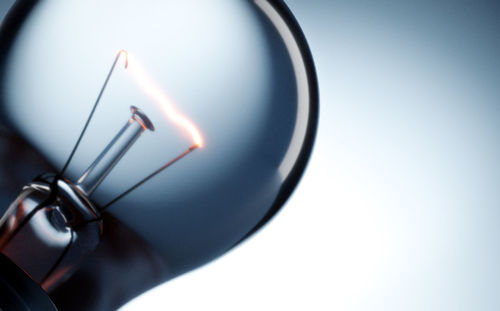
(49, 229)
(114, 151)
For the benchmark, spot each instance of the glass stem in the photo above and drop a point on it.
(114, 151)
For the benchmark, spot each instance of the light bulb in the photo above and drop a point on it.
(219, 101)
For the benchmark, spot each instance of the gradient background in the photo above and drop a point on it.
(399, 208)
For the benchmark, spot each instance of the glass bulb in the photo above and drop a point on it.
(234, 79)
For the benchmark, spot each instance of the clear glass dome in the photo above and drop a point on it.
(239, 70)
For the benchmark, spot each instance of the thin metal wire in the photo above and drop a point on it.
(49, 200)
(59, 260)
(94, 108)
(137, 185)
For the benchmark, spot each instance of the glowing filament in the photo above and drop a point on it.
(159, 97)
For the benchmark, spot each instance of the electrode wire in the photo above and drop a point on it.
(45, 203)
(137, 185)
(94, 108)
(59, 260)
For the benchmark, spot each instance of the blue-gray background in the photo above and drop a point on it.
(399, 208)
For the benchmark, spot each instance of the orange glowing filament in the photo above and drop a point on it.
(158, 96)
